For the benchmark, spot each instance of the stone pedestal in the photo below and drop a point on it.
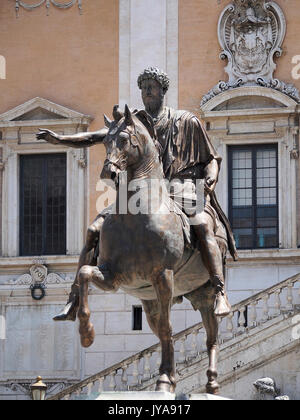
(206, 397)
(152, 396)
(132, 395)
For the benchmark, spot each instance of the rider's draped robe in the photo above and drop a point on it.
(186, 151)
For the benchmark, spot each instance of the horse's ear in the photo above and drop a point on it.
(107, 121)
(128, 116)
(147, 121)
(117, 114)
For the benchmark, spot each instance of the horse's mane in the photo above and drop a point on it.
(148, 122)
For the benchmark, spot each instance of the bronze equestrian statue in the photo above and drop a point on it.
(166, 269)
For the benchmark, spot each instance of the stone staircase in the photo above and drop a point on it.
(261, 337)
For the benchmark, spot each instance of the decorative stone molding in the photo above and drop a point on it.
(19, 126)
(295, 154)
(80, 157)
(1, 167)
(251, 34)
(12, 388)
(295, 151)
(287, 88)
(42, 110)
(39, 275)
(23, 389)
(266, 389)
(58, 4)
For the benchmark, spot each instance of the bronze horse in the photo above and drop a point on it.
(145, 254)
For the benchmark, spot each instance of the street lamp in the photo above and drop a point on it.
(38, 390)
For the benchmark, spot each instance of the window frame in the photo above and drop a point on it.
(137, 318)
(254, 148)
(76, 194)
(45, 157)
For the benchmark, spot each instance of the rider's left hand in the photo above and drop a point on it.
(210, 183)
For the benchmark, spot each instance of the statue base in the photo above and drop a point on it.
(153, 396)
(134, 395)
(206, 397)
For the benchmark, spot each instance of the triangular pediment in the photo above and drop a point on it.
(38, 114)
(40, 109)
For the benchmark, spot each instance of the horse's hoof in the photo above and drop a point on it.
(87, 335)
(165, 384)
(213, 388)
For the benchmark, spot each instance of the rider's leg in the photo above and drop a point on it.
(86, 258)
(212, 258)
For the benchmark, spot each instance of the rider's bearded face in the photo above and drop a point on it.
(152, 95)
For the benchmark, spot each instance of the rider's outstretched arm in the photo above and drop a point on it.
(79, 140)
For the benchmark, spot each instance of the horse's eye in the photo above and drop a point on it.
(106, 141)
(123, 139)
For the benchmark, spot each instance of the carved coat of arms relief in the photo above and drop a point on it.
(251, 34)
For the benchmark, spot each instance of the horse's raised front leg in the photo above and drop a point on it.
(164, 285)
(88, 256)
(102, 279)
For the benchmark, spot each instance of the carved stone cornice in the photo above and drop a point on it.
(59, 4)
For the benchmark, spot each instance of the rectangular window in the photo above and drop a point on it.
(137, 318)
(43, 204)
(253, 196)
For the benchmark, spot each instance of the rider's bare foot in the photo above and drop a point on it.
(222, 306)
(69, 311)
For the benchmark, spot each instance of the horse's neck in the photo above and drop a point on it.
(145, 187)
(148, 168)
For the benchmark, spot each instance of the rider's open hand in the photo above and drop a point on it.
(48, 136)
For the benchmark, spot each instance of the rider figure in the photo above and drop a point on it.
(187, 154)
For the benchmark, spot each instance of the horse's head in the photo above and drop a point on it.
(130, 141)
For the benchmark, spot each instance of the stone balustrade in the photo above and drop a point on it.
(139, 371)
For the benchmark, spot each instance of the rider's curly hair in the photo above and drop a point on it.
(156, 74)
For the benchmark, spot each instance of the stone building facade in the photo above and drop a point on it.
(234, 66)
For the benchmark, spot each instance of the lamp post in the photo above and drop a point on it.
(38, 390)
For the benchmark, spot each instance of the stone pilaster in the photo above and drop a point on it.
(1, 182)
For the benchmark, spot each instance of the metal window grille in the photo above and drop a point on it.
(43, 204)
